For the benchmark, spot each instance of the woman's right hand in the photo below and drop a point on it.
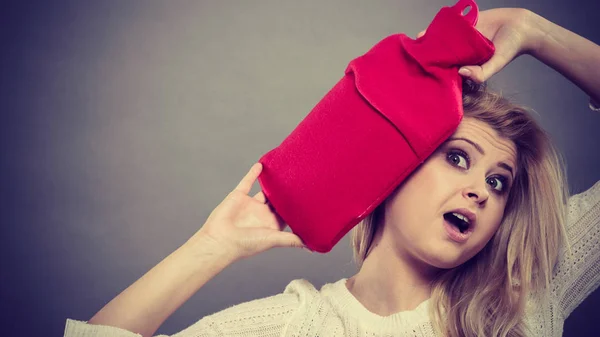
(245, 226)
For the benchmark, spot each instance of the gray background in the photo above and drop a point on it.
(125, 123)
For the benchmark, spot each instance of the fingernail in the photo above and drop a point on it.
(464, 72)
(308, 250)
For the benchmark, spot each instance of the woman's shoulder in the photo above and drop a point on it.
(296, 293)
(590, 195)
(274, 310)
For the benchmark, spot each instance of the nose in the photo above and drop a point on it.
(477, 193)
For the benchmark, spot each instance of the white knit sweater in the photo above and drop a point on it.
(301, 310)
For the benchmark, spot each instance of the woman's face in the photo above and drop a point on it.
(470, 171)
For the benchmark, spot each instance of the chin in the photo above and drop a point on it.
(443, 260)
(446, 264)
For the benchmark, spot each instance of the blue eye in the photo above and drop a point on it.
(457, 157)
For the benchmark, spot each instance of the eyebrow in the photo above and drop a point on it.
(480, 150)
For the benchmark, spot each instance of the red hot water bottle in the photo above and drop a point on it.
(394, 106)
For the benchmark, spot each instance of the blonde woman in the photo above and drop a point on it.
(481, 240)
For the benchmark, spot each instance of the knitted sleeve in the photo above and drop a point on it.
(262, 317)
(578, 275)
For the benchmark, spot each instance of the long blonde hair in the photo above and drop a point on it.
(487, 295)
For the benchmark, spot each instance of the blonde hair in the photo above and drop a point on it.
(487, 295)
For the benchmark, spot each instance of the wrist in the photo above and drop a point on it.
(538, 29)
(202, 246)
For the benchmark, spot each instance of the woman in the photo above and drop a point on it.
(497, 178)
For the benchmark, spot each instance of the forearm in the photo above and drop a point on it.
(575, 57)
(147, 303)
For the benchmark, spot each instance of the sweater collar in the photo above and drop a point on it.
(343, 300)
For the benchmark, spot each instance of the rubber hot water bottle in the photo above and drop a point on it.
(392, 108)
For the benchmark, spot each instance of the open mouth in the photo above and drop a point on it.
(458, 220)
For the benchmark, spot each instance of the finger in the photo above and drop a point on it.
(466, 71)
(287, 239)
(260, 197)
(421, 33)
(246, 184)
(506, 51)
(493, 66)
(475, 73)
(484, 72)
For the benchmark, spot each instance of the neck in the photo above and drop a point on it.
(390, 281)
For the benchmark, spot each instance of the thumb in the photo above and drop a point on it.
(484, 72)
(481, 73)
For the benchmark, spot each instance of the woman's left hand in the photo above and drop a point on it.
(513, 31)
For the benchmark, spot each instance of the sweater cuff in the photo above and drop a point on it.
(74, 328)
